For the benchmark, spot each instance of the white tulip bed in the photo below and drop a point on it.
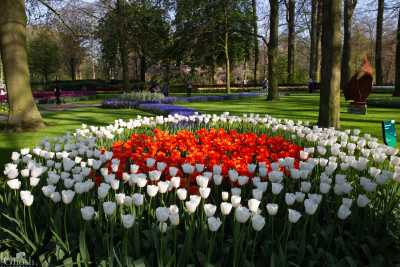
(336, 204)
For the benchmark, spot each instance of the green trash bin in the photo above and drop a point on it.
(389, 133)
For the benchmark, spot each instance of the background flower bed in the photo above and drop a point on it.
(131, 102)
(328, 229)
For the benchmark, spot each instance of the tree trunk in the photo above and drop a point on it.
(329, 108)
(319, 42)
(255, 40)
(227, 64)
(143, 68)
(313, 44)
(226, 50)
(291, 39)
(378, 45)
(397, 81)
(349, 6)
(123, 48)
(273, 50)
(23, 112)
(72, 68)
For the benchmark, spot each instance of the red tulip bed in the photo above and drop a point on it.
(203, 190)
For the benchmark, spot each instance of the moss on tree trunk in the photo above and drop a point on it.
(23, 112)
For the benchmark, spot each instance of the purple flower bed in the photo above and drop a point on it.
(122, 103)
(165, 109)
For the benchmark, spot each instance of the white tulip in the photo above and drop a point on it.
(253, 205)
(305, 187)
(272, 209)
(162, 214)
(152, 190)
(343, 212)
(276, 188)
(217, 169)
(120, 198)
(67, 196)
(87, 213)
(294, 216)
(202, 181)
(209, 209)
(226, 208)
(181, 193)
(242, 214)
(161, 166)
(128, 200)
(134, 168)
(154, 175)
(128, 220)
(173, 171)
(48, 189)
(25, 172)
(214, 224)
(163, 186)
(187, 168)
(310, 206)
(175, 181)
(362, 201)
(324, 188)
(300, 196)
(150, 162)
(14, 184)
(114, 184)
(141, 182)
(236, 191)
(257, 222)
(191, 206)
(109, 207)
(55, 197)
(174, 218)
(217, 178)
(257, 194)
(26, 197)
(235, 200)
(138, 199)
(233, 175)
(225, 195)
(290, 198)
(204, 192)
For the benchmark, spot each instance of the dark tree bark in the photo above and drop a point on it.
(312, 69)
(329, 108)
(122, 40)
(23, 112)
(291, 7)
(348, 9)
(255, 40)
(143, 68)
(378, 45)
(319, 41)
(397, 81)
(72, 69)
(273, 92)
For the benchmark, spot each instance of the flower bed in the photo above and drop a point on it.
(126, 102)
(204, 189)
(165, 109)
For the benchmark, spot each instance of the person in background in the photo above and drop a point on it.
(165, 89)
(264, 85)
(311, 85)
(189, 87)
(57, 94)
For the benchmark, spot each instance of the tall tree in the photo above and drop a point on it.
(291, 15)
(348, 9)
(329, 107)
(23, 112)
(273, 93)
(319, 41)
(378, 45)
(122, 41)
(255, 40)
(313, 40)
(397, 75)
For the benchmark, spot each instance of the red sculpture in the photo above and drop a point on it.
(360, 85)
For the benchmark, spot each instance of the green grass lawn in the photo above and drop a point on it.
(57, 123)
(301, 107)
(296, 107)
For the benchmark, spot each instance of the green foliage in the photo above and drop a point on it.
(44, 56)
